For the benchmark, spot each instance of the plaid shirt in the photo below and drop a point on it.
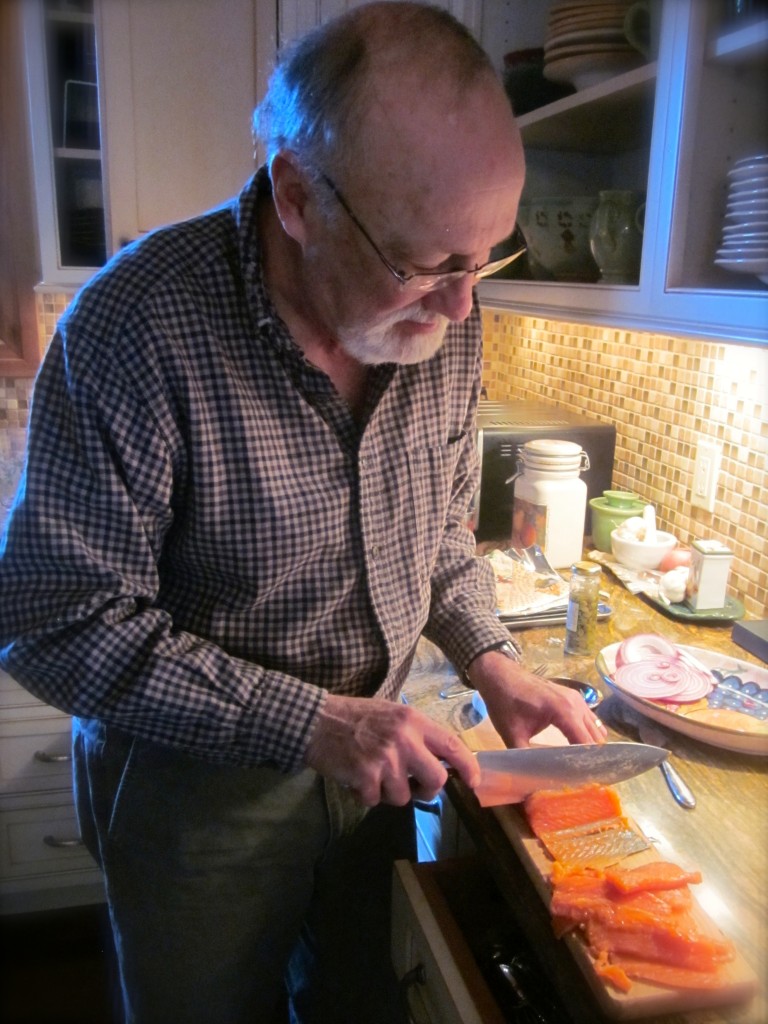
(205, 542)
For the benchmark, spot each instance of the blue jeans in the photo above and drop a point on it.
(226, 886)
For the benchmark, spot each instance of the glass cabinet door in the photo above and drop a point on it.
(64, 110)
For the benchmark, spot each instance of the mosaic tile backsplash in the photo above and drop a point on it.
(662, 393)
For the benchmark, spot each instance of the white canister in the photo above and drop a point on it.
(550, 502)
(708, 575)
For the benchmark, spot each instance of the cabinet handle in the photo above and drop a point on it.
(46, 758)
(62, 844)
(416, 976)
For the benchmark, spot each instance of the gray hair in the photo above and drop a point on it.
(318, 90)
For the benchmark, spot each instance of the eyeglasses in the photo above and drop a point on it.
(425, 280)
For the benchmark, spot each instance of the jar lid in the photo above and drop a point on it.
(585, 568)
(622, 499)
(620, 508)
(550, 448)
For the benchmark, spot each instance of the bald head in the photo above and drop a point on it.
(336, 87)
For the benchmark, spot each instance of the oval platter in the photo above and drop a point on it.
(730, 718)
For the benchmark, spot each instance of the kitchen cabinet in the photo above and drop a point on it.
(43, 862)
(156, 130)
(671, 128)
(178, 83)
(439, 977)
(60, 45)
(19, 350)
(456, 952)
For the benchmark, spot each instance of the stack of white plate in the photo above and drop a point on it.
(586, 44)
(744, 248)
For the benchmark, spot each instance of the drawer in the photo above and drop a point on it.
(35, 754)
(41, 840)
(459, 957)
(12, 695)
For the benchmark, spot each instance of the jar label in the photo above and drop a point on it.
(529, 524)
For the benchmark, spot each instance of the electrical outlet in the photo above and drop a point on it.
(706, 470)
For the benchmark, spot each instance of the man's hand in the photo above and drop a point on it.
(386, 752)
(521, 704)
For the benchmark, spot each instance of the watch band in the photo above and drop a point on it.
(509, 648)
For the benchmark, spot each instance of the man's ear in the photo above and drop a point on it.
(290, 194)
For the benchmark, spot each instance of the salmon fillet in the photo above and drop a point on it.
(644, 933)
(583, 826)
(657, 875)
(551, 810)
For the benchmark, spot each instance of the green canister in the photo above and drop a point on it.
(609, 511)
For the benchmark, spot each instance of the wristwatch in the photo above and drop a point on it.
(509, 648)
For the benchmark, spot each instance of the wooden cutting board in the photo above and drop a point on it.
(643, 999)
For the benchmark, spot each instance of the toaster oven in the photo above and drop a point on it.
(503, 427)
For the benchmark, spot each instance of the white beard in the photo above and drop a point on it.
(384, 342)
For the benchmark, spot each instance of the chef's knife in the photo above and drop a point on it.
(508, 776)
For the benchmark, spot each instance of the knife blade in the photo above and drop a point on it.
(508, 776)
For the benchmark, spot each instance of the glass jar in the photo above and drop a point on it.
(583, 599)
(550, 501)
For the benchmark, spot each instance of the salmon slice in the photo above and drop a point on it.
(655, 876)
(585, 897)
(668, 975)
(583, 826)
(613, 973)
(677, 942)
(551, 810)
(647, 930)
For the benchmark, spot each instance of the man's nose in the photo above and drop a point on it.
(453, 300)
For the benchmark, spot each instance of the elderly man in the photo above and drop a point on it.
(251, 451)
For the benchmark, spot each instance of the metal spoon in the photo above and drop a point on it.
(677, 786)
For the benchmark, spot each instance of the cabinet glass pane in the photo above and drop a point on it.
(80, 212)
(720, 222)
(70, 50)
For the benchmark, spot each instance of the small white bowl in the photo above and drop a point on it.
(637, 554)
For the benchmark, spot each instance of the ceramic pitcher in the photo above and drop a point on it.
(616, 236)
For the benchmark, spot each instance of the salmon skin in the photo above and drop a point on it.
(583, 826)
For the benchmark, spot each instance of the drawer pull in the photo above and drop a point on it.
(62, 844)
(46, 758)
(416, 976)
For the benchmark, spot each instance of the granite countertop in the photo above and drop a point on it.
(543, 646)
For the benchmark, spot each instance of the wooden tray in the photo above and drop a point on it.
(644, 999)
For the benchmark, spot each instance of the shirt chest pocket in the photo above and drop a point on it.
(431, 476)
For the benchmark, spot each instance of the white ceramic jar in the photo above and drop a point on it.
(550, 502)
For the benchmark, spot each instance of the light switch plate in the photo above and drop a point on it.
(706, 471)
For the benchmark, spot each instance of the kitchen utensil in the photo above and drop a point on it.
(639, 554)
(733, 715)
(508, 776)
(679, 789)
(549, 617)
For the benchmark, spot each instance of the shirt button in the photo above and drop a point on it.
(375, 551)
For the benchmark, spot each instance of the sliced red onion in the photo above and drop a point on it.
(643, 646)
(649, 666)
